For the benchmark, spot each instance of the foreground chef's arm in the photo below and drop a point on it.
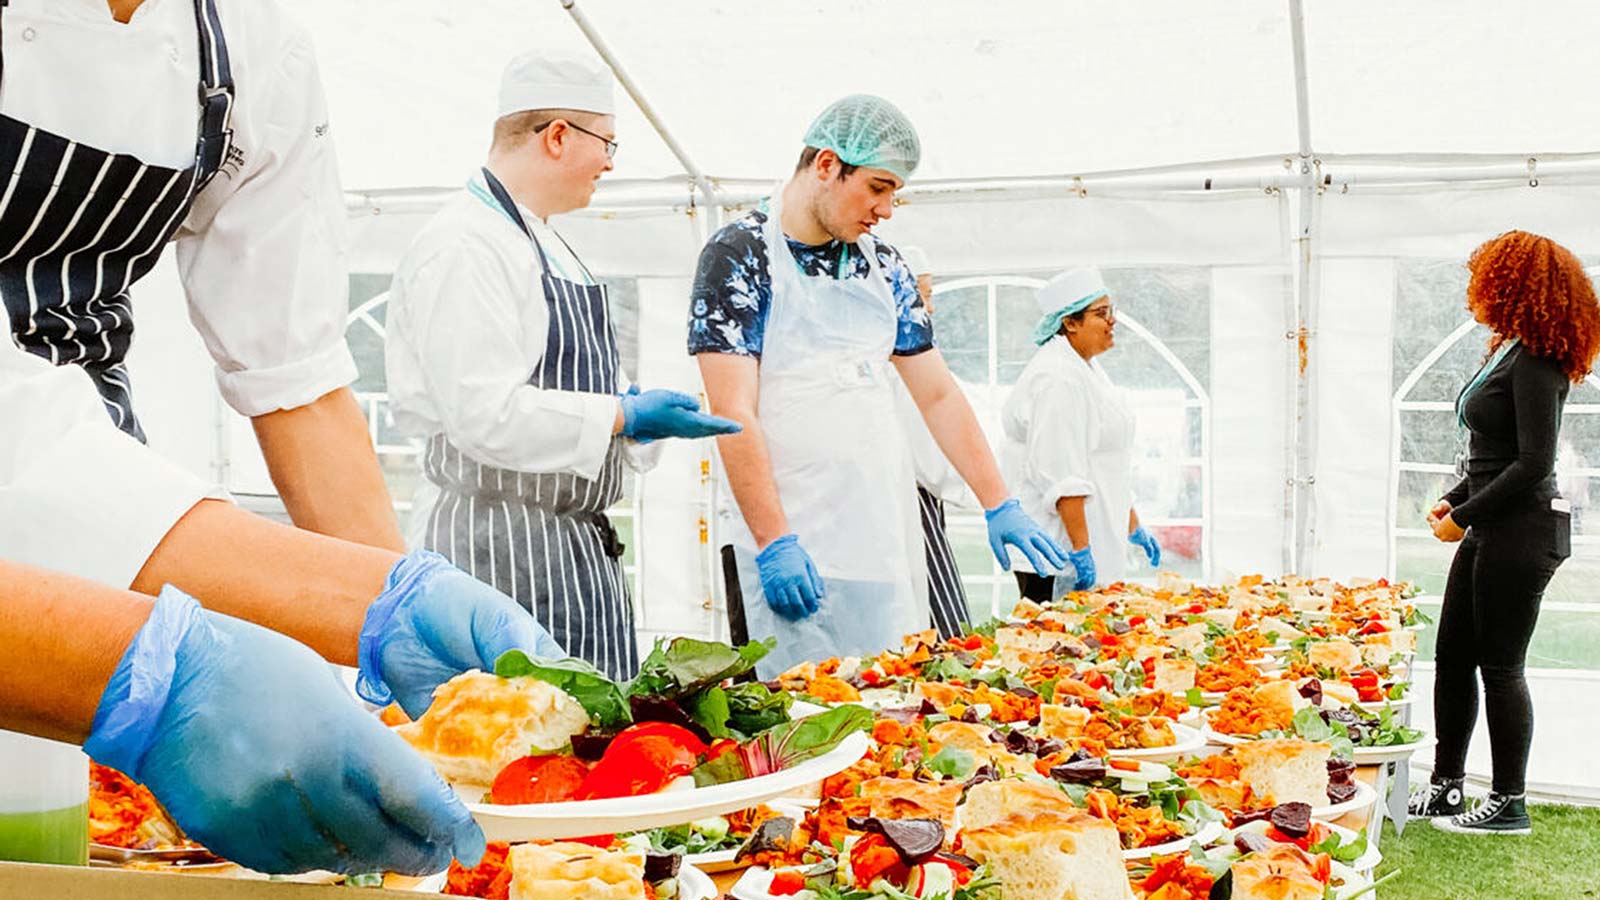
(321, 459)
(732, 384)
(63, 637)
(953, 423)
(313, 588)
(1070, 509)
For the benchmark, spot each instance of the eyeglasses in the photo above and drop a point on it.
(611, 145)
(1107, 313)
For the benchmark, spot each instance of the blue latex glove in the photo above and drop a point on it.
(789, 579)
(656, 414)
(1083, 562)
(1146, 542)
(253, 745)
(431, 623)
(1008, 524)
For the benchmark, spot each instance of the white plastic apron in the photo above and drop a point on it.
(840, 463)
(1111, 430)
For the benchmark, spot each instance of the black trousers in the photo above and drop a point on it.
(1491, 604)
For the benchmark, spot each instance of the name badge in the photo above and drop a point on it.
(1561, 505)
(1461, 465)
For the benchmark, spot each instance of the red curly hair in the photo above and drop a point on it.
(1530, 287)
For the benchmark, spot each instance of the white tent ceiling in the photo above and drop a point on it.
(1040, 87)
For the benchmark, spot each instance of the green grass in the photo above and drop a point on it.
(1559, 861)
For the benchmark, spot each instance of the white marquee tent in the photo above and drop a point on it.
(1282, 194)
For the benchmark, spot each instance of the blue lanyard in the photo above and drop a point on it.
(1478, 380)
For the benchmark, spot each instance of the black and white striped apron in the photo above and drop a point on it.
(78, 225)
(947, 597)
(544, 538)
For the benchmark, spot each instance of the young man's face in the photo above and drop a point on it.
(849, 207)
(584, 157)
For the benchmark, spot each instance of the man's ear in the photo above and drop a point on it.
(554, 138)
(826, 165)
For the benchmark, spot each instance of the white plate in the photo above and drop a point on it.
(1364, 756)
(693, 884)
(577, 818)
(1366, 862)
(1207, 835)
(1370, 756)
(1189, 740)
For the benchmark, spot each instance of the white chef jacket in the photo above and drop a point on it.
(468, 324)
(76, 494)
(1068, 432)
(262, 251)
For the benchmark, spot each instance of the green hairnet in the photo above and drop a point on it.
(867, 131)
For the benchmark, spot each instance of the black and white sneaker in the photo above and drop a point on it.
(1438, 798)
(1499, 814)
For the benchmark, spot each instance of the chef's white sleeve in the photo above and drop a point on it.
(465, 328)
(76, 494)
(263, 252)
(1059, 438)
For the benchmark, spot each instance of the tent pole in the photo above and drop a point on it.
(1302, 469)
(702, 183)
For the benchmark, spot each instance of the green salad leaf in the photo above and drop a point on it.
(680, 667)
(599, 695)
(952, 762)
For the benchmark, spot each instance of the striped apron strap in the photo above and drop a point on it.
(947, 596)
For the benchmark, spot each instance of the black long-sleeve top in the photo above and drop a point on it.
(1513, 420)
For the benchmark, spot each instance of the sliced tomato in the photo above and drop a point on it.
(603, 841)
(791, 881)
(1323, 868)
(973, 642)
(1126, 765)
(642, 762)
(1167, 869)
(676, 733)
(538, 779)
(1136, 621)
(871, 677)
(721, 746)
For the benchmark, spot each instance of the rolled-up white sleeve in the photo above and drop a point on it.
(262, 253)
(76, 494)
(460, 322)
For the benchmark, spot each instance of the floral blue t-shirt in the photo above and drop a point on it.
(733, 289)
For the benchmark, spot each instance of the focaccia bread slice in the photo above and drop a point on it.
(1338, 655)
(479, 722)
(565, 870)
(1063, 722)
(1285, 770)
(991, 801)
(901, 798)
(1175, 676)
(1051, 856)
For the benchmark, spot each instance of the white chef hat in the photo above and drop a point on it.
(916, 260)
(543, 79)
(1070, 292)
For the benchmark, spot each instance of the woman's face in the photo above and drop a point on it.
(1096, 332)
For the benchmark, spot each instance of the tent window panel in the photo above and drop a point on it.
(1430, 301)
(1016, 315)
(1174, 303)
(1428, 436)
(1419, 491)
(961, 330)
(366, 343)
